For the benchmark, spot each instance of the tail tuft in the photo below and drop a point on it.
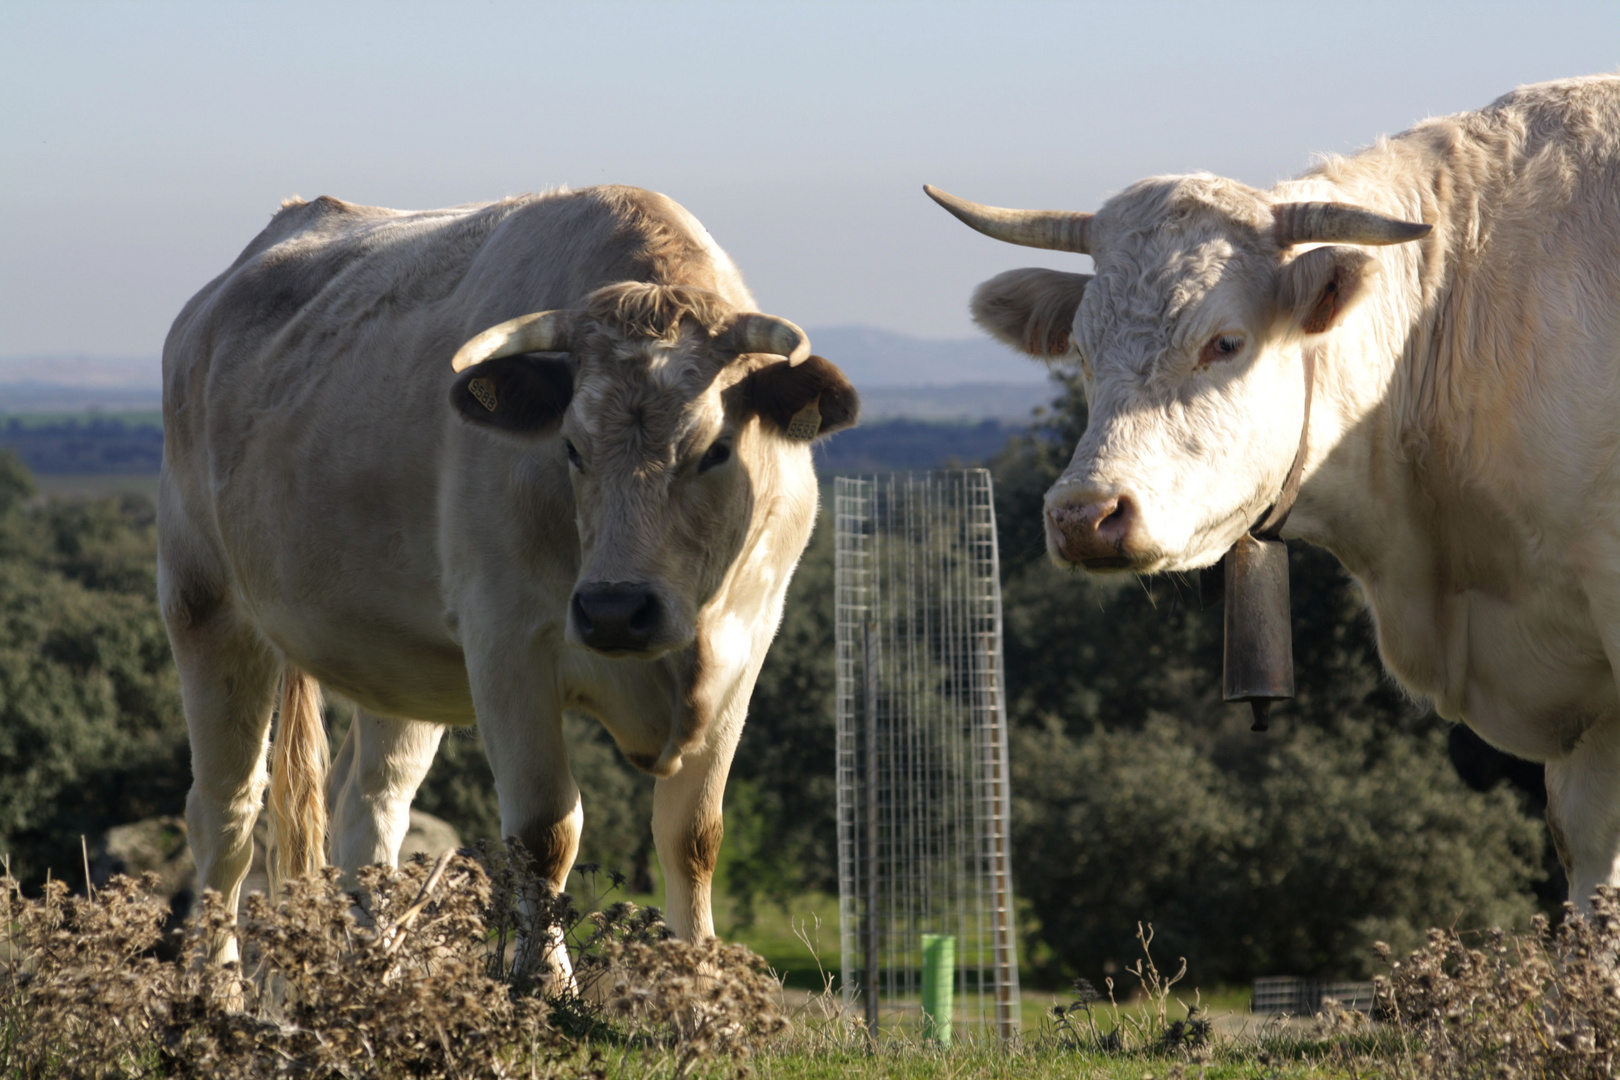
(298, 767)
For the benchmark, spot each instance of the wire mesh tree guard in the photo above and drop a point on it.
(923, 800)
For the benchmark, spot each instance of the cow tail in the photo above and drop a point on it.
(298, 767)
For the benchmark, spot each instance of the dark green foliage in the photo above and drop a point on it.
(96, 444)
(618, 804)
(1293, 864)
(91, 730)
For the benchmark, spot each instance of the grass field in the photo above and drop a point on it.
(800, 943)
(399, 996)
(995, 1061)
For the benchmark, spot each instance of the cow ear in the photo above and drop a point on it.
(1032, 309)
(1320, 288)
(801, 401)
(526, 393)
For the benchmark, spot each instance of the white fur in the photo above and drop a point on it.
(321, 501)
(1464, 458)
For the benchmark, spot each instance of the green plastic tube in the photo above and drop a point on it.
(938, 986)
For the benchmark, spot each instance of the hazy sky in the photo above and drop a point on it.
(143, 144)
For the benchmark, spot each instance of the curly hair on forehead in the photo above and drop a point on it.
(643, 309)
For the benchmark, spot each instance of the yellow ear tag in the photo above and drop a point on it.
(807, 421)
(484, 391)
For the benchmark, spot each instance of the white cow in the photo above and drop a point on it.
(595, 508)
(1458, 289)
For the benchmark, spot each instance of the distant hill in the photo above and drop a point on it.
(92, 444)
(1009, 402)
(923, 404)
(33, 383)
(902, 445)
(898, 376)
(874, 358)
(128, 444)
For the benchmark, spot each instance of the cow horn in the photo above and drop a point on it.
(542, 331)
(1339, 223)
(756, 333)
(1059, 230)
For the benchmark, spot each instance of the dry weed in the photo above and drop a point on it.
(418, 984)
(701, 1000)
(79, 987)
(1546, 1004)
(1129, 1031)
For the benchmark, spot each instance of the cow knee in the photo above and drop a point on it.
(696, 850)
(191, 603)
(221, 834)
(552, 845)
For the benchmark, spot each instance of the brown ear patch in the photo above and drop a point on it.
(1317, 290)
(785, 396)
(1325, 312)
(525, 393)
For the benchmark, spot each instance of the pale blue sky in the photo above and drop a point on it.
(143, 144)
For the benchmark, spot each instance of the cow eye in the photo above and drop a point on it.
(573, 456)
(1221, 347)
(718, 454)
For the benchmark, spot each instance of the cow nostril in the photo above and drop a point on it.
(644, 620)
(613, 616)
(1116, 520)
(582, 620)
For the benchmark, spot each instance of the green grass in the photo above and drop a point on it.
(992, 1060)
(775, 935)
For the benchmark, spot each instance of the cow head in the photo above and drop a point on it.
(1190, 340)
(681, 419)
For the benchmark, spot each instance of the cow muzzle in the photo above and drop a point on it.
(1097, 532)
(619, 618)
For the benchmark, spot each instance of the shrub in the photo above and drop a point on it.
(417, 986)
(1536, 1005)
(1293, 863)
(91, 729)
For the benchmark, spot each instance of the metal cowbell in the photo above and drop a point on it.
(1258, 665)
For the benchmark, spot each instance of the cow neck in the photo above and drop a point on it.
(1212, 586)
(1257, 663)
(1269, 527)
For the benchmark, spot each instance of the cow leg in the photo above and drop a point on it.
(228, 678)
(377, 772)
(1583, 809)
(520, 723)
(687, 827)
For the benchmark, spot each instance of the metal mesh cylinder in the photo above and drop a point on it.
(923, 802)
